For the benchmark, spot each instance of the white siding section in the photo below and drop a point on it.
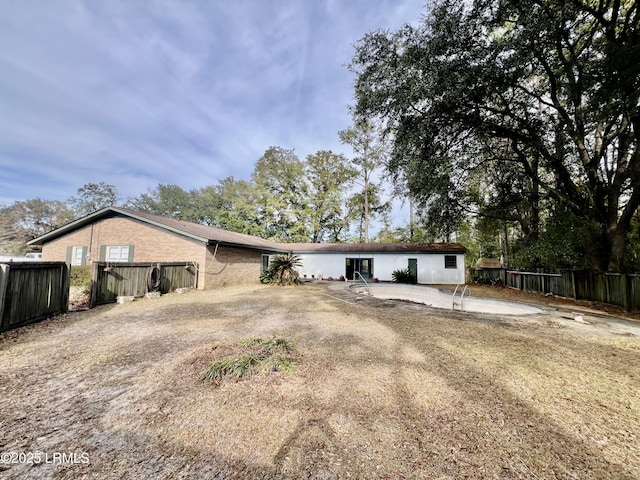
(430, 266)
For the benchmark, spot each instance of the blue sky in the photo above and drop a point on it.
(135, 93)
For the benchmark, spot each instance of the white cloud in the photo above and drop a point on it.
(184, 92)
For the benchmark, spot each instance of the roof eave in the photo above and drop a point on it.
(80, 222)
(264, 248)
(58, 232)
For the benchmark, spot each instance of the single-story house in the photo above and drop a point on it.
(116, 234)
(435, 263)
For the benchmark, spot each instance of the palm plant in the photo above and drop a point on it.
(282, 270)
(403, 276)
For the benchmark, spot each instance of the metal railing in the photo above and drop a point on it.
(453, 297)
(363, 280)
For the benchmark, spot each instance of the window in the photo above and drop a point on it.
(450, 261)
(77, 256)
(118, 253)
(266, 260)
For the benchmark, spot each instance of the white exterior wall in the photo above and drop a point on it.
(430, 266)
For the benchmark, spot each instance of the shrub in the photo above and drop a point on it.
(403, 276)
(283, 270)
(80, 276)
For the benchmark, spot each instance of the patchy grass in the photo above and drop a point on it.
(386, 393)
(257, 355)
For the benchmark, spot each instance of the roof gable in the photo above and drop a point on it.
(195, 231)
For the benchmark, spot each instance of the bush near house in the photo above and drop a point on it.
(283, 270)
(80, 276)
(403, 276)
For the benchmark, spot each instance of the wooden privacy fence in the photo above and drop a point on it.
(112, 280)
(32, 291)
(614, 288)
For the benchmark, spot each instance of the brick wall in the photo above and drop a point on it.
(152, 244)
(231, 266)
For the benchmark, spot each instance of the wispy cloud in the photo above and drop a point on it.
(184, 92)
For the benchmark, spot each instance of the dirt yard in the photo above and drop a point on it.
(380, 389)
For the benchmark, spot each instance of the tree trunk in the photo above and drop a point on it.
(506, 254)
(366, 211)
(617, 251)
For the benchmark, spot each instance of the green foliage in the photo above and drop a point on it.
(239, 209)
(497, 107)
(370, 155)
(237, 367)
(286, 199)
(80, 276)
(328, 176)
(403, 276)
(257, 355)
(633, 254)
(92, 197)
(281, 195)
(170, 201)
(563, 244)
(283, 270)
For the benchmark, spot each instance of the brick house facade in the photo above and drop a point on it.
(117, 234)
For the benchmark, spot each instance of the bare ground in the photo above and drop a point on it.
(381, 389)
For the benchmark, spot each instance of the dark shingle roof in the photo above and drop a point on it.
(203, 232)
(211, 235)
(451, 247)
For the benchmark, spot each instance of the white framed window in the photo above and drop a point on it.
(77, 255)
(117, 253)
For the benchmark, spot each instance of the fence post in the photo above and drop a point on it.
(93, 297)
(626, 293)
(66, 284)
(4, 281)
(573, 284)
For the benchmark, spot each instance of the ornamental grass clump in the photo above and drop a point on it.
(257, 355)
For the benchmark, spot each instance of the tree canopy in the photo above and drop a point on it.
(92, 197)
(518, 110)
